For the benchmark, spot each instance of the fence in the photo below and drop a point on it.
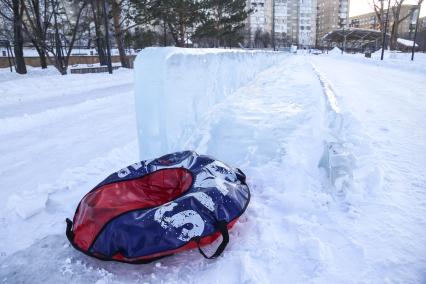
(34, 61)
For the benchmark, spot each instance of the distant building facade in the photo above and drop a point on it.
(307, 15)
(371, 21)
(291, 21)
(331, 15)
(422, 24)
(421, 36)
(257, 20)
(366, 21)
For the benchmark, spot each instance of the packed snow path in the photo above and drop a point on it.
(51, 132)
(387, 105)
(297, 229)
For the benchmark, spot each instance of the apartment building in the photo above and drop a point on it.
(422, 24)
(370, 21)
(331, 15)
(307, 16)
(257, 20)
(291, 21)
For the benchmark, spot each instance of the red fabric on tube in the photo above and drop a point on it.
(111, 200)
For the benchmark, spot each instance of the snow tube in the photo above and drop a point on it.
(159, 207)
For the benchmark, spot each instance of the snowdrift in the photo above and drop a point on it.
(176, 87)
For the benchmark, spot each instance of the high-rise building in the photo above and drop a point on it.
(257, 19)
(307, 22)
(283, 31)
(294, 21)
(331, 15)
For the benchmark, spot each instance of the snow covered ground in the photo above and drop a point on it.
(296, 123)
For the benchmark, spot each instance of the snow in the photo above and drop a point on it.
(332, 145)
(392, 59)
(335, 51)
(389, 113)
(406, 42)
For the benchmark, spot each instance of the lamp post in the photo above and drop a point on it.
(415, 34)
(342, 20)
(58, 43)
(107, 38)
(273, 24)
(343, 39)
(385, 31)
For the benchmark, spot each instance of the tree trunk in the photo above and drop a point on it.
(41, 52)
(394, 33)
(41, 55)
(394, 37)
(98, 33)
(122, 52)
(43, 61)
(72, 41)
(101, 52)
(174, 34)
(33, 28)
(181, 33)
(116, 17)
(18, 40)
(164, 34)
(60, 66)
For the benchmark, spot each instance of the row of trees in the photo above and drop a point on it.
(394, 12)
(54, 27)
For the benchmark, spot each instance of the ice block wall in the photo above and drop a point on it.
(175, 87)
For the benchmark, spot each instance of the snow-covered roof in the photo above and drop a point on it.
(353, 34)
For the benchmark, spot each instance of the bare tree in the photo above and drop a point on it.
(13, 11)
(378, 7)
(97, 17)
(118, 22)
(398, 19)
(126, 15)
(37, 21)
(6, 22)
(59, 39)
(395, 9)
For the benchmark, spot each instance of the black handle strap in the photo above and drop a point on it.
(241, 175)
(223, 229)
(69, 232)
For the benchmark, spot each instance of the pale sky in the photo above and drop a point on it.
(363, 6)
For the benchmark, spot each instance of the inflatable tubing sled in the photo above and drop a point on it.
(159, 207)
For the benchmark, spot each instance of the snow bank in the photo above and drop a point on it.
(392, 59)
(176, 87)
(406, 42)
(27, 205)
(335, 51)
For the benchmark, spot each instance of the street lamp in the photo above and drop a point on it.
(415, 33)
(344, 35)
(273, 24)
(342, 23)
(107, 37)
(386, 29)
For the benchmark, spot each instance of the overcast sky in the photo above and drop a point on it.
(363, 6)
